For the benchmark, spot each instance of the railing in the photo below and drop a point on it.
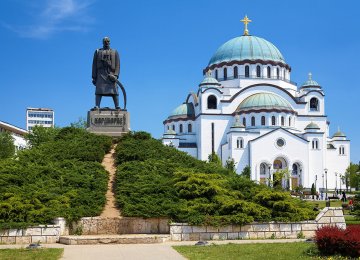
(255, 77)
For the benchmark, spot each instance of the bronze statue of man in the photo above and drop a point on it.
(105, 73)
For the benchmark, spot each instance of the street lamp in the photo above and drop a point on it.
(336, 181)
(326, 190)
(269, 175)
(315, 180)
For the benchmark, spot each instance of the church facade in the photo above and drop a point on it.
(248, 109)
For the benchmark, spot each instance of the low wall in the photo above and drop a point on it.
(328, 216)
(45, 234)
(125, 225)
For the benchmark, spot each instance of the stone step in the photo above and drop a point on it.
(114, 239)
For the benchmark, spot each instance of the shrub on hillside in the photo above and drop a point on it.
(331, 240)
(154, 180)
(61, 176)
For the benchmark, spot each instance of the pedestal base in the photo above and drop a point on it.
(107, 121)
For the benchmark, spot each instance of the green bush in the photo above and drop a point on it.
(154, 180)
(60, 176)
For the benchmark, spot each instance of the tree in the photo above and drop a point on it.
(246, 172)
(214, 158)
(230, 165)
(313, 190)
(7, 147)
(354, 179)
(279, 175)
(80, 123)
(40, 134)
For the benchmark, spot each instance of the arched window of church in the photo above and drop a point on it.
(282, 121)
(273, 120)
(341, 150)
(277, 73)
(268, 72)
(263, 120)
(212, 102)
(284, 74)
(181, 128)
(289, 121)
(295, 169)
(225, 73)
(189, 128)
(173, 127)
(263, 169)
(258, 71)
(244, 121)
(239, 143)
(247, 71)
(314, 104)
(168, 127)
(216, 74)
(236, 72)
(252, 121)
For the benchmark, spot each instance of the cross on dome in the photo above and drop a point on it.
(310, 76)
(246, 21)
(208, 73)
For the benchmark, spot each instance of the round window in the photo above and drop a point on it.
(280, 142)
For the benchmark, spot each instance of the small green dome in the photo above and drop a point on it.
(264, 101)
(310, 82)
(170, 132)
(339, 134)
(237, 123)
(209, 81)
(246, 47)
(312, 125)
(186, 109)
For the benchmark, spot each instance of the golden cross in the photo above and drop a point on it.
(246, 21)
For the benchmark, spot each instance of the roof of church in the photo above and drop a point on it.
(264, 100)
(247, 47)
(209, 81)
(339, 134)
(186, 109)
(312, 125)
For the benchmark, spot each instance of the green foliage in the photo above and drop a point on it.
(7, 148)
(313, 189)
(214, 158)
(230, 165)
(80, 123)
(154, 180)
(354, 177)
(246, 172)
(40, 134)
(58, 177)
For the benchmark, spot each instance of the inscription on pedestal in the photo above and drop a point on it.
(112, 122)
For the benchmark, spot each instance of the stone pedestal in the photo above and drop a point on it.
(107, 121)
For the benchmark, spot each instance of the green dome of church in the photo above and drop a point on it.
(186, 109)
(264, 101)
(247, 47)
(310, 82)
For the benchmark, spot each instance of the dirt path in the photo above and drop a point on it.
(110, 210)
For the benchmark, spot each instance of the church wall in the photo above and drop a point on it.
(191, 151)
(265, 150)
(337, 163)
(316, 159)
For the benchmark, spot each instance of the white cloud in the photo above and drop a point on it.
(56, 16)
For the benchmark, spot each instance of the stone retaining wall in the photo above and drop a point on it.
(125, 225)
(328, 216)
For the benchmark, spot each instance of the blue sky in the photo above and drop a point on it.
(47, 48)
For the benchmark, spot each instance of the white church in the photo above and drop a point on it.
(247, 108)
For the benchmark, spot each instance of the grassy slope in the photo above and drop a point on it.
(33, 254)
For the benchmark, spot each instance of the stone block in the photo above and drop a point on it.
(185, 237)
(225, 229)
(279, 234)
(338, 213)
(270, 234)
(4, 232)
(261, 227)
(8, 240)
(211, 229)
(38, 239)
(288, 234)
(329, 213)
(176, 237)
(324, 220)
(34, 231)
(16, 232)
(236, 228)
(253, 235)
(194, 236)
(164, 226)
(51, 239)
(309, 234)
(285, 227)
(244, 235)
(233, 235)
(218, 236)
(50, 231)
(308, 227)
(205, 236)
(261, 235)
(199, 229)
(23, 240)
(187, 229)
(274, 227)
(341, 225)
(246, 228)
(337, 220)
(175, 229)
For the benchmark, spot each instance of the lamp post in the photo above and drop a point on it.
(323, 178)
(336, 181)
(315, 180)
(326, 190)
(269, 175)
